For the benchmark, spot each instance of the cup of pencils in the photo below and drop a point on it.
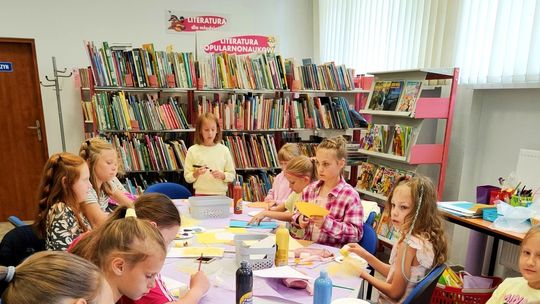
(522, 198)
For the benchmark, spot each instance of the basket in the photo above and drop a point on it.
(490, 214)
(205, 207)
(454, 295)
(258, 258)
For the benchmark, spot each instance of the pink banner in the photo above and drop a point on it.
(195, 23)
(241, 45)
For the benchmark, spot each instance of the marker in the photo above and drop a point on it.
(200, 261)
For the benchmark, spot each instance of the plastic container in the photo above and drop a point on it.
(244, 284)
(323, 289)
(258, 258)
(206, 207)
(282, 245)
(237, 198)
(453, 295)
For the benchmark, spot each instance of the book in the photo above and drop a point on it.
(380, 90)
(366, 173)
(392, 97)
(411, 92)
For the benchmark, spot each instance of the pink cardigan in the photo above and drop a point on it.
(280, 189)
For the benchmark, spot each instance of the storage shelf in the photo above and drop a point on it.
(153, 171)
(419, 155)
(426, 108)
(257, 169)
(386, 240)
(448, 72)
(138, 89)
(331, 91)
(401, 159)
(148, 131)
(369, 193)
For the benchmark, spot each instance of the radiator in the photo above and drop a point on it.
(509, 256)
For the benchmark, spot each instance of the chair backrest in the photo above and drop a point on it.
(422, 292)
(172, 190)
(369, 239)
(371, 218)
(15, 221)
(18, 244)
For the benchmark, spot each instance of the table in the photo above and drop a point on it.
(222, 272)
(485, 227)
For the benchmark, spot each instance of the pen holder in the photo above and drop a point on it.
(520, 201)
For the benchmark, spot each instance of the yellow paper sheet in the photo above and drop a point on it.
(309, 209)
(195, 252)
(237, 230)
(263, 205)
(188, 221)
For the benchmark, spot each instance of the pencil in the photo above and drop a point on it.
(200, 261)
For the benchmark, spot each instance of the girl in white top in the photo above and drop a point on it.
(209, 164)
(422, 246)
(525, 289)
(102, 160)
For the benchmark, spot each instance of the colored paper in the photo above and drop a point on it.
(244, 224)
(195, 252)
(283, 272)
(310, 209)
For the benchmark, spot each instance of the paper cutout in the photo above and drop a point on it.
(237, 230)
(310, 209)
(176, 288)
(244, 224)
(195, 252)
(263, 205)
(219, 236)
(284, 272)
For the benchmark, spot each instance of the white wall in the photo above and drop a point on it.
(490, 127)
(59, 28)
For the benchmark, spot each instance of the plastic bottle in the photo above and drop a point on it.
(237, 198)
(282, 245)
(323, 289)
(244, 284)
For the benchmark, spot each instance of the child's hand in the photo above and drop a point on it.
(303, 221)
(358, 250)
(218, 174)
(257, 218)
(199, 283)
(199, 171)
(271, 205)
(318, 221)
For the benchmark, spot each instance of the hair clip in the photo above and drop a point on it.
(130, 212)
(10, 273)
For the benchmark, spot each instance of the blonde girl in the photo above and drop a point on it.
(209, 164)
(63, 187)
(344, 222)
(103, 162)
(161, 212)
(524, 289)
(129, 251)
(300, 172)
(413, 211)
(280, 188)
(55, 277)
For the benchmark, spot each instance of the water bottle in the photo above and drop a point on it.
(323, 289)
(244, 284)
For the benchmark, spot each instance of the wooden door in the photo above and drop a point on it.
(23, 144)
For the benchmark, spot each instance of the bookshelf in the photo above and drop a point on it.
(433, 107)
(146, 100)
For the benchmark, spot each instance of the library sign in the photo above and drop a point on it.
(240, 45)
(193, 22)
(6, 66)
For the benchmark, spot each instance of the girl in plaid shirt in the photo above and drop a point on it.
(344, 222)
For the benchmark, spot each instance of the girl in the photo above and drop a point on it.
(344, 222)
(63, 187)
(300, 172)
(55, 278)
(280, 188)
(524, 289)
(422, 246)
(129, 251)
(209, 164)
(103, 163)
(160, 211)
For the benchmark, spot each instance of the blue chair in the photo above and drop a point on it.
(369, 242)
(15, 221)
(172, 190)
(423, 291)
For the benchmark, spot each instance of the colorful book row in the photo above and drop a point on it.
(378, 179)
(252, 150)
(118, 111)
(264, 71)
(328, 76)
(150, 153)
(122, 65)
(255, 186)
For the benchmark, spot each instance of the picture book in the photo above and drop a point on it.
(401, 140)
(376, 183)
(376, 138)
(393, 95)
(365, 175)
(380, 91)
(411, 92)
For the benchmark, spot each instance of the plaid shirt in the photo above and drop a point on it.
(344, 223)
